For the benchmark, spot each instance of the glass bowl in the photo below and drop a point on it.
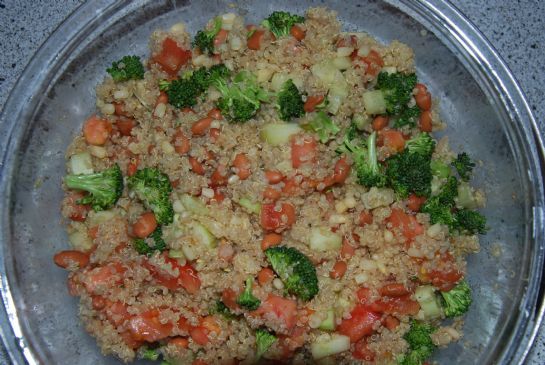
(481, 102)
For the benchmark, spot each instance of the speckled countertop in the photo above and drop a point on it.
(515, 27)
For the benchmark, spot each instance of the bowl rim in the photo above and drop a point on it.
(456, 27)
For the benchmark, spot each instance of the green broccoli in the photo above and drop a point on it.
(150, 354)
(203, 77)
(397, 89)
(182, 93)
(456, 301)
(369, 171)
(159, 244)
(263, 340)
(469, 221)
(127, 68)
(104, 187)
(153, 188)
(204, 39)
(421, 346)
(440, 206)
(290, 102)
(221, 309)
(295, 270)
(463, 165)
(408, 116)
(410, 171)
(280, 23)
(246, 299)
(323, 126)
(241, 99)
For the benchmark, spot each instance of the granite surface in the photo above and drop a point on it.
(515, 27)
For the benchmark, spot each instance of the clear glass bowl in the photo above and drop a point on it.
(484, 107)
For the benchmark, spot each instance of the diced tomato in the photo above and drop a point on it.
(312, 102)
(292, 186)
(360, 324)
(116, 312)
(365, 218)
(391, 322)
(265, 276)
(187, 277)
(445, 280)
(400, 305)
(162, 98)
(347, 250)
(172, 57)
(219, 176)
(221, 37)
(363, 352)
(274, 219)
(254, 41)
(341, 171)
(120, 110)
(303, 151)
(199, 335)
(130, 341)
(380, 122)
(406, 223)
(181, 342)
(125, 126)
(284, 309)
(297, 32)
(423, 97)
(102, 277)
(374, 63)
(78, 212)
(229, 298)
(363, 295)
(415, 202)
(426, 122)
(393, 139)
(147, 327)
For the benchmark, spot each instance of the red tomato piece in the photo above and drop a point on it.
(407, 224)
(284, 309)
(303, 151)
(360, 324)
(274, 219)
(172, 57)
(147, 327)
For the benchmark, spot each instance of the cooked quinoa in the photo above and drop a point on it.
(172, 289)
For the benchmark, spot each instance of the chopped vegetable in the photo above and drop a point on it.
(204, 39)
(246, 299)
(456, 301)
(127, 68)
(327, 346)
(463, 165)
(104, 187)
(322, 239)
(281, 22)
(290, 102)
(153, 188)
(159, 245)
(279, 134)
(295, 270)
(323, 126)
(421, 346)
(263, 341)
(397, 89)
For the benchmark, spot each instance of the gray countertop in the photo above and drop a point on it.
(515, 28)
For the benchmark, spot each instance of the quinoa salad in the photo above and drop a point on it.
(269, 193)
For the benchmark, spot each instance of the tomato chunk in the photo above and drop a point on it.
(277, 219)
(187, 277)
(147, 327)
(172, 57)
(303, 151)
(407, 224)
(284, 309)
(360, 324)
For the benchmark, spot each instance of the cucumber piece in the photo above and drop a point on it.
(440, 169)
(80, 240)
(335, 344)
(429, 304)
(374, 102)
(279, 134)
(189, 252)
(465, 198)
(250, 206)
(342, 63)
(322, 239)
(193, 205)
(203, 235)
(176, 254)
(328, 324)
(81, 163)
(96, 218)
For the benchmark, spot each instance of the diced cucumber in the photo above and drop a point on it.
(278, 79)
(81, 163)
(176, 254)
(465, 198)
(80, 240)
(279, 134)
(193, 205)
(440, 169)
(361, 121)
(202, 235)
(342, 63)
(96, 218)
(332, 78)
(328, 324)
(189, 252)
(250, 206)
(374, 102)
(326, 347)
(322, 239)
(429, 304)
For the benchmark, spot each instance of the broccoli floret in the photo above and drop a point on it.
(323, 126)
(440, 206)
(182, 93)
(204, 39)
(369, 171)
(295, 270)
(397, 89)
(410, 171)
(159, 244)
(240, 100)
(463, 165)
(422, 144)
(203, 77)
(469, 221)
(420, 343)
(127, 68)
(280, 23)
(290, 102)
(221, 309)
(153, 188)
(150, 354)
(408, 117)
(456, 301)
(263, 340)
(104, 187)
(246, 299)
